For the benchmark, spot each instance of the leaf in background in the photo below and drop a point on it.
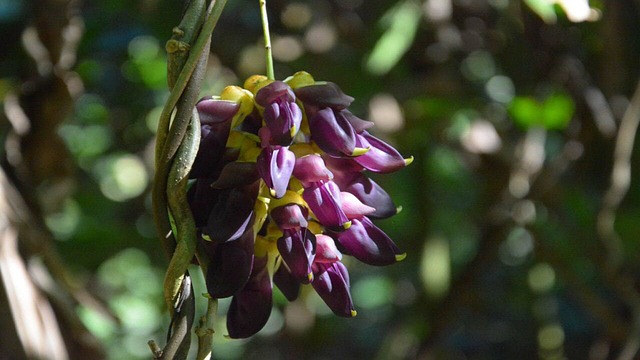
(544, 8)
(552, 114)
(402, 20)
(525, 111)
(557, 111)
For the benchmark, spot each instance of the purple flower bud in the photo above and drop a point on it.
(325, 202)
(326, 250)
(282, 115)
(275, 166)
(358, 124)
(215, 118)
(202, 199)
(298, 249)
(236, 174)
(369, 192)
(311, 168)
(230, 265)
(332, 284)
(290, 216)
(321, 95)
(342, 165)
(367, 243)
(381, 157)
(214, 111)
(251, 307)
(232, 215)
(288, 284)
(333, 133)
(353, 208)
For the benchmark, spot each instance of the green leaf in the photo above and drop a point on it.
(544, 9)
(394, 43)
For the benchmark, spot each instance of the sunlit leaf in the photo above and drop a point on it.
(544, 8)
(394, 43)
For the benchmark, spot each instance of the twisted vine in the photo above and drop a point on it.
(177, 142)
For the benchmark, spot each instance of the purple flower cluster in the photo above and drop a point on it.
(281, 193)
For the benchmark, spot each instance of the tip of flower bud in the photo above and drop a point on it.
(205, 237)
(252, 81)
(398, 210)
(346, 225)
(360, 151)
(400, 257)
(408, 161)
(353, 313)
(300, 79)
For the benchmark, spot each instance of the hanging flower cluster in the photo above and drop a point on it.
(281, 193)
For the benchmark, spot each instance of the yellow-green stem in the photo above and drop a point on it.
(267, 39)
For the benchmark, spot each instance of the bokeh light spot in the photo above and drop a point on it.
(122, 177)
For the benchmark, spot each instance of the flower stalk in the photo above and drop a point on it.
(267, 40)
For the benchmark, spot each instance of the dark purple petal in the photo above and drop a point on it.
(369, 192)
(251, 307)
(298, 249)
(283, 120)
(288, 284)
(311, 168)
(325, 202)
(333, 133)
(276, 90)
(236, 174)
(358, 124)
(332, 284)
(367, 243)
(282, 115)
(323, 95)
(342, 165)
(232, 215)
(290, 216)
(352, 206)
(215, 118)
(213, 111)
(202, 199)
(211, 151)
(381, 157)
(326, 250)
(230, 265)
(275, 166)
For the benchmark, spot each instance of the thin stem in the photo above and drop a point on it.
(267, 39)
